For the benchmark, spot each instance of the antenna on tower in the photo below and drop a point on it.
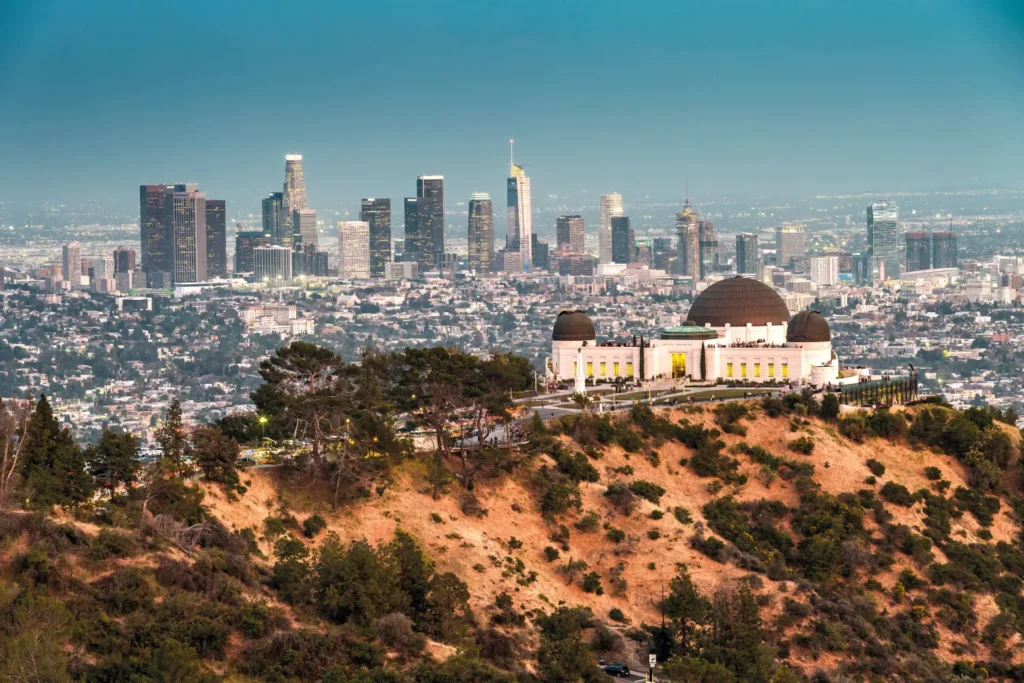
(687, 197)
(511, 153)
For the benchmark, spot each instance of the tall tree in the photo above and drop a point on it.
(52, 464)
(113, 461)
(216, 456)
(703, 362)
(14, 419)
(174, 443)
(685, 607)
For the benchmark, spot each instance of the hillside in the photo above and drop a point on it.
(892, 557)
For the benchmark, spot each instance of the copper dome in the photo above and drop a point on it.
(808, 326)
(736, 302)
(573, 326)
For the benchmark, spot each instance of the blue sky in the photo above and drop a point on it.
(741, 97)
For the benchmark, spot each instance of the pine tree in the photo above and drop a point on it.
(113, 461)
(174, 443)
(52, 465)
(703, 362)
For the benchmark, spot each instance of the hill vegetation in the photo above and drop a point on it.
(773, 540)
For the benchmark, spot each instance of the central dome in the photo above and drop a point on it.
(573, 326)
(736, 302)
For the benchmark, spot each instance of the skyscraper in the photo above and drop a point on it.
(944, 250)
(216, 238)
(354, 249)
(688, 234)
(189, 236)
(825, 270)
(919, 250)
(72, 263)
(481, 233)
(272, 263)
(790, 246)
(519, 214)
(883, 231)
(245, 243)
(539, 252)
(155, 225)
(273, 217)
(124, 260)
(430, 224)
(412, 244)
(622, 248)
(303, 227)
(294, 190)
(748, 260)
(611, 205)
(708, 246)
(569, 233)
(377, 212)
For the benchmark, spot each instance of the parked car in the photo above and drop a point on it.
(616, 670)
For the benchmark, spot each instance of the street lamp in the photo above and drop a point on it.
(263, 425)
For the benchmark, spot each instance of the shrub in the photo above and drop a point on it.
(897, 494)
(313, 525)
(803, 445)
(654, 534)
(436, 518)
(396, 631)
(592, 583)
(657, 514)
(854, 427)
(589, 522)
(728, 416)
(933, 473)
(615, 614)
(683, 515)
(111, 543)
(514, 543)
(620, 495)
(551, 554)
(647, 490)
(877, 468)
(615, 535)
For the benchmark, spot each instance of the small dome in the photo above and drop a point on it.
(573, 326)
(737, 301)
(808, 326)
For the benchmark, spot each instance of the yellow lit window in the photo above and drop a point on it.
(629, 369)
(757, 369)
(575, 367)
(615, 369)
(785, 369)
(728, 369)
(771, 369)
(590, 368)
(604, 369)
(743, 369)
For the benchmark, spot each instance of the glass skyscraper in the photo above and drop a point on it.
(519, 215)
(481, 233)
(216, 238)
(621, 246)
(377, 213)
(883, 240)
(430, 222)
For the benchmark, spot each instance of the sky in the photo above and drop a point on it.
(732, 97)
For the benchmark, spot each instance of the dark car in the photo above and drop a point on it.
(616, 670)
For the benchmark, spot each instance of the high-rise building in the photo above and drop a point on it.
(272, 263)
(481, 233)
(520, 215)
(189, 236)
(622, 248)
(294, 190)
(124, 260)
(825, 271)
(430, 224)
(748, 259)
(790, 247)
(708, 247)
(354, 249)
(883, 241)
(861, 266)
(273, 217)
(309, 261)
(216, 238)
(377, 212)
(73, 263)
(610, 205)
(919, 250)
(303, 227)
(155, 209)
(688, 234)
(412, 245)
(539, 253)
(944, 250)
(245, 243)
(644, 253)
(569, 233)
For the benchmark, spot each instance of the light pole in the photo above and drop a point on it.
(263, 426)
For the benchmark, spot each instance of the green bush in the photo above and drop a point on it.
(551, 554)
(877, 468)
(803, 445)
(933, 473)
(592, 583)
(647, 490)
(615, 535)
(313, 525)
(682, 515)
(615, 614)
(589, 522)
(897, 494)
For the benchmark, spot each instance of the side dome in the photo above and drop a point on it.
(573, 326)
(808, 326)
(736, 302)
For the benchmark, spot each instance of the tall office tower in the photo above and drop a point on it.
(944, 250)
(569, 233)
(308, 261)
(611, 205)
(245, 243)
(273, 217)
(861, 267)
(790, 246)
(708, 246)
(377, 212)
(155, 208)
(661, 245)
(272, 263)
(519, 214)
(539, 252)
(825, 270)
(124, 260)
(430, 225)
(481, 233)
(748, 260)
(354, 249)
(294, 190)
(189, 236)
(73, 263)
(412, 244)
(644, 253)
(688, 233)
(622, 249)
(883, 241)
(303, 227)
(919, 250)
(216, 238)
